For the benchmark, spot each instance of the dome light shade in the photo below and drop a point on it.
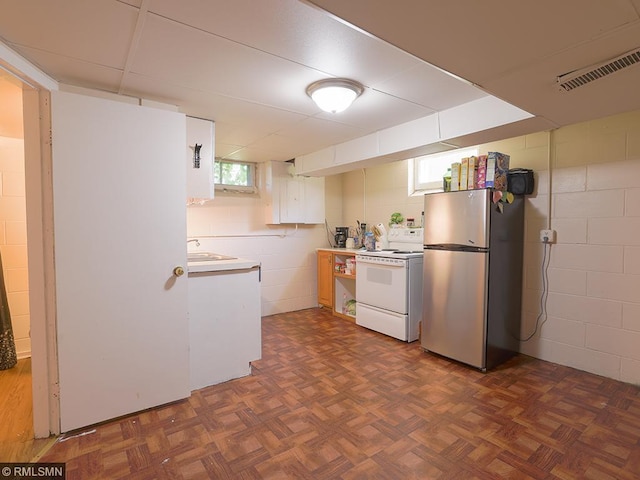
(334, 95)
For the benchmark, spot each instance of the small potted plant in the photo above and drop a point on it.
(396, 220)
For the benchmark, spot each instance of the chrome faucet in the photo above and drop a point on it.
(194, 240)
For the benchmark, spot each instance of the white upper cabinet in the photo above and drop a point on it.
(200, 157)
(292, 198)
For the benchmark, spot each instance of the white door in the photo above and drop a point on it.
(119, 190)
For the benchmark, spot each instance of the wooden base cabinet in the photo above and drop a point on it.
(325, 278)
(336, 288)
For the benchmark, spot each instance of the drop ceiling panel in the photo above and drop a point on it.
(278, 147)
(185, 56)
(603, 97)
(97, 32)
(246, 63)
(484, 40)
(310, 135)
(294, 30)
(324, 131)
(224, 150)
(252, 154)
(395, 110)
(249, 115)
(75, 72)
(430, 87)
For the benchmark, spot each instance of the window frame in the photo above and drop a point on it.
(225, 187)
(435, 183)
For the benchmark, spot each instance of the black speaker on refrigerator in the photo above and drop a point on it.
(520, 181)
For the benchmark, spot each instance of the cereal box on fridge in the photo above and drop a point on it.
(497, 168)
(482, 171)
(455, 176)
(472, 176)
(464, 169)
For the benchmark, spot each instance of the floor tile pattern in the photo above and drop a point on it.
(332, 400)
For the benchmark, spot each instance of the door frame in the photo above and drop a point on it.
(40, 242)
(40, 248)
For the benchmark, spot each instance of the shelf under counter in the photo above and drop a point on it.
(344, 275)
(335, 287)
(346, 316)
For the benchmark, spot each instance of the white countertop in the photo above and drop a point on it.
(342, 250)
(221, 265)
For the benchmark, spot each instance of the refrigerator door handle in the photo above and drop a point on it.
(456, 248)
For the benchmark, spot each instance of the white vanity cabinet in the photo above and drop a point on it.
(292, 198)
(224, 321)
(200, 170)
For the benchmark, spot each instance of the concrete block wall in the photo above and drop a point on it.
(592, 200)
(13, 240)
(593, 301)
(373, 194)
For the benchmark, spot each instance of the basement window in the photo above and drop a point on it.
(425, 173)
(234, 176)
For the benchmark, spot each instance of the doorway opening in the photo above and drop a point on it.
(16, 431)
(29, 410)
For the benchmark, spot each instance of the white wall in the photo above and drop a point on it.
(234, 224)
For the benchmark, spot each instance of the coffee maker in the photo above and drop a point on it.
(341, 236)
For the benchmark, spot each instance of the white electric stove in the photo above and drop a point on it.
(403, 243)
(389, 286)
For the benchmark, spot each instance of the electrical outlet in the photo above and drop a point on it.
(548, 236)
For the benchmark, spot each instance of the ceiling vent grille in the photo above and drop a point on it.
(579, 78)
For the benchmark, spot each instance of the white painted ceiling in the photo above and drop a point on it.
(246, 63)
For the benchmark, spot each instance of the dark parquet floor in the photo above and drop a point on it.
(331, 400)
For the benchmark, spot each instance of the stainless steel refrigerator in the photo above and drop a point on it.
(472, 277)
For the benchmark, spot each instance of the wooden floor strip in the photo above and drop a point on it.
(17, 443)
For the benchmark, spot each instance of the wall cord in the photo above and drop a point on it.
(544, 295)
(329, 233)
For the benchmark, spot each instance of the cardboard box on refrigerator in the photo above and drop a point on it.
(497, 168)
(481, 177)
(464, 172)
(455, 176)
(472, 176)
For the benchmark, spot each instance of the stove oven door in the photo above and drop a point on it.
(382, 283)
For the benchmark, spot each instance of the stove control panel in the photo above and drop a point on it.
(380, 260)
(406, 235)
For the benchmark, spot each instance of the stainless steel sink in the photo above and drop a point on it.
(206, 257)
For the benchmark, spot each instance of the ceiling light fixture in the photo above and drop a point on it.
(334, 95)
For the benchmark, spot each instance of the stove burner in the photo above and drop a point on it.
(407, 251)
